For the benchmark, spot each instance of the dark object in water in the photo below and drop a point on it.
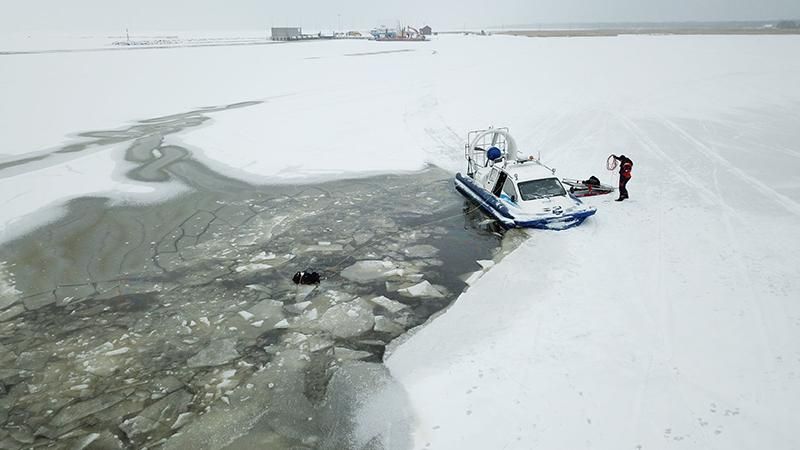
(306, 277)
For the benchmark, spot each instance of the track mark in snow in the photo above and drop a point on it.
(789, 204)
(383, 52)
(712, 195)
(708, 195)
(444, 138)
(435, 135)
(744, 280)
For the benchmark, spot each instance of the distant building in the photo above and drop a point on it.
(286, 33)
(425, 31)
(353, 34)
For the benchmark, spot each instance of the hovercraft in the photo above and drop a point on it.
(519, 193)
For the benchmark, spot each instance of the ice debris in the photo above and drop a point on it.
(218, 352)
(80, 410)
(347, 319)
(182, 420)
(266, 309)
(485, 263)
(385, 325)
(390, 305)
(161, 413)
(253, 267)
(296, 308)
(421, 251)
(364, 407)
(370, 270)
(473, 277)
(8, 294)
(346, 354)
(422, 289)
(117, 352)
(11, 313)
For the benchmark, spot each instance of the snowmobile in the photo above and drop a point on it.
(518, 192)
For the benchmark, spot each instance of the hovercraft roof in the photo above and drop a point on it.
(528, 170)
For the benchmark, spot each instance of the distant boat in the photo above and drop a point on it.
(391, 34)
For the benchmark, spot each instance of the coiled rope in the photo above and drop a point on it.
(611, 163)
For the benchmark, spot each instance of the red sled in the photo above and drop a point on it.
(587, 188)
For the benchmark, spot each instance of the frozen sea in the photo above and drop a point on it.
(155, 204)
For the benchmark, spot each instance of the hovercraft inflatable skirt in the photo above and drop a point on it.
(495, 207)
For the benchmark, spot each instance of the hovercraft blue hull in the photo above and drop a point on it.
(497, 209)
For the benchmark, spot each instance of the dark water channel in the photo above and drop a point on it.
(160, 325)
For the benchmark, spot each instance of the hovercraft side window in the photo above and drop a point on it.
(509, 191)
(536, 189)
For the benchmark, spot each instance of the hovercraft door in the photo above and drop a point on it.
(498, 186)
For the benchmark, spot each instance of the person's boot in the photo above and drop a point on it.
(620, 199)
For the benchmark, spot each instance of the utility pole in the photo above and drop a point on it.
(127, 36)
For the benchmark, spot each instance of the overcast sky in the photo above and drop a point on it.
(116, 15)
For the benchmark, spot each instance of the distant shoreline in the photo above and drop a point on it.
(642, 31)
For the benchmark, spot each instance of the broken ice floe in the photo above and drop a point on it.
(368, 271)
(254, 267)
(421, 251)
(296, 308)
(161, 414)
(344, 353)
(217, 353)
(386, 325)
(346, 319)
(422, 289)
(485, 263)
(473, 277)
(390, 305)
(8, 293)
(205, 305)
(11, 313)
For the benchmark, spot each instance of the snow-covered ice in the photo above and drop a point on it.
(315, 117)
(114, 40)
(670, 319)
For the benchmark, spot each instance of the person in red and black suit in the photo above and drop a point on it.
(624, 175)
